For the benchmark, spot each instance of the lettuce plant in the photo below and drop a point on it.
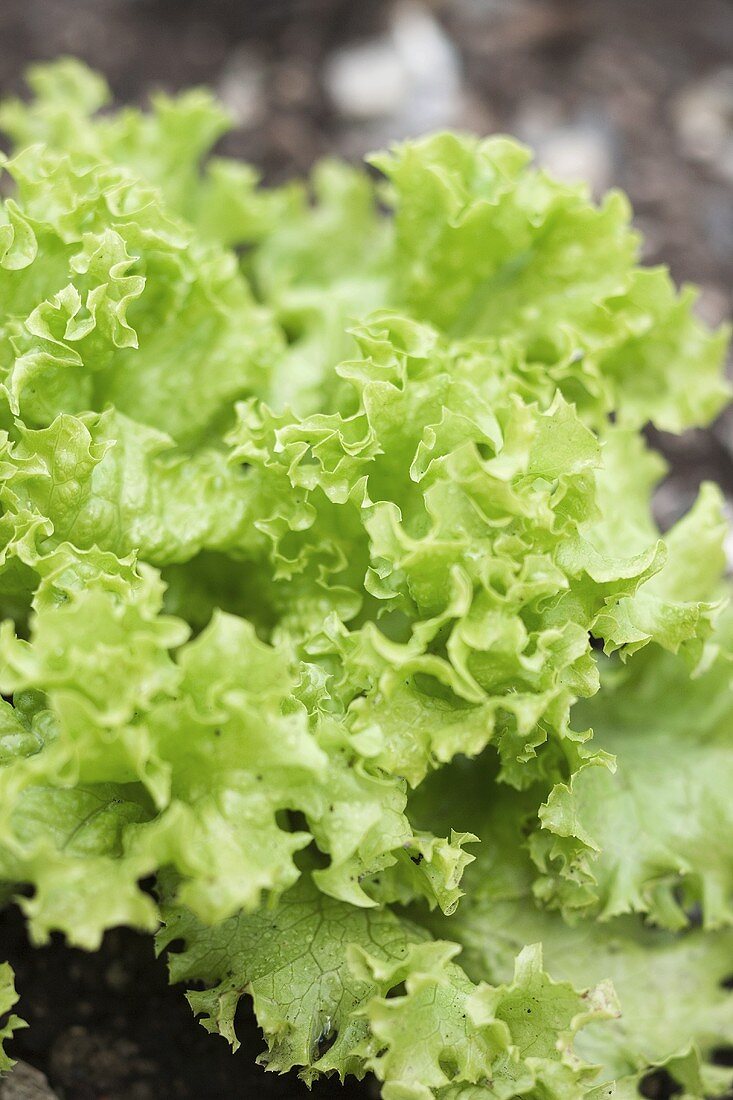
(326, 544)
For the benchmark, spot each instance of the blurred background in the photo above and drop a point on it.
(629, 93)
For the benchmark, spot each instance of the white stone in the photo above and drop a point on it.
(241, 87)
(367, 80)
(703, 116)
(409, 76)
(575, 150)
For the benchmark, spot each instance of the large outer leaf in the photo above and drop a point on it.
(664, 817)
(8, 1022)
(320, 973)
(676, 1008)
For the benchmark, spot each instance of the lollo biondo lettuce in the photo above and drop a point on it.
(326, 543)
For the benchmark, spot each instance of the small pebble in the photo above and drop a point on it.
(24, 1082)
(409, 77)
(241, 87)
(703, 116)
(574, 150)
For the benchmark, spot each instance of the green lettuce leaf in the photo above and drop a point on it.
(486, 245)
(8, 1022)
(676, 1007)
(96, 785)
(325, 979)
(623, 842)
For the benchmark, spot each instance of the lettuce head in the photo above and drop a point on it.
(334, 604)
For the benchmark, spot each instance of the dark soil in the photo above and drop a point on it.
(632, 94)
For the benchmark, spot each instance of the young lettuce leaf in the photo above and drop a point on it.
(9, 1023)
